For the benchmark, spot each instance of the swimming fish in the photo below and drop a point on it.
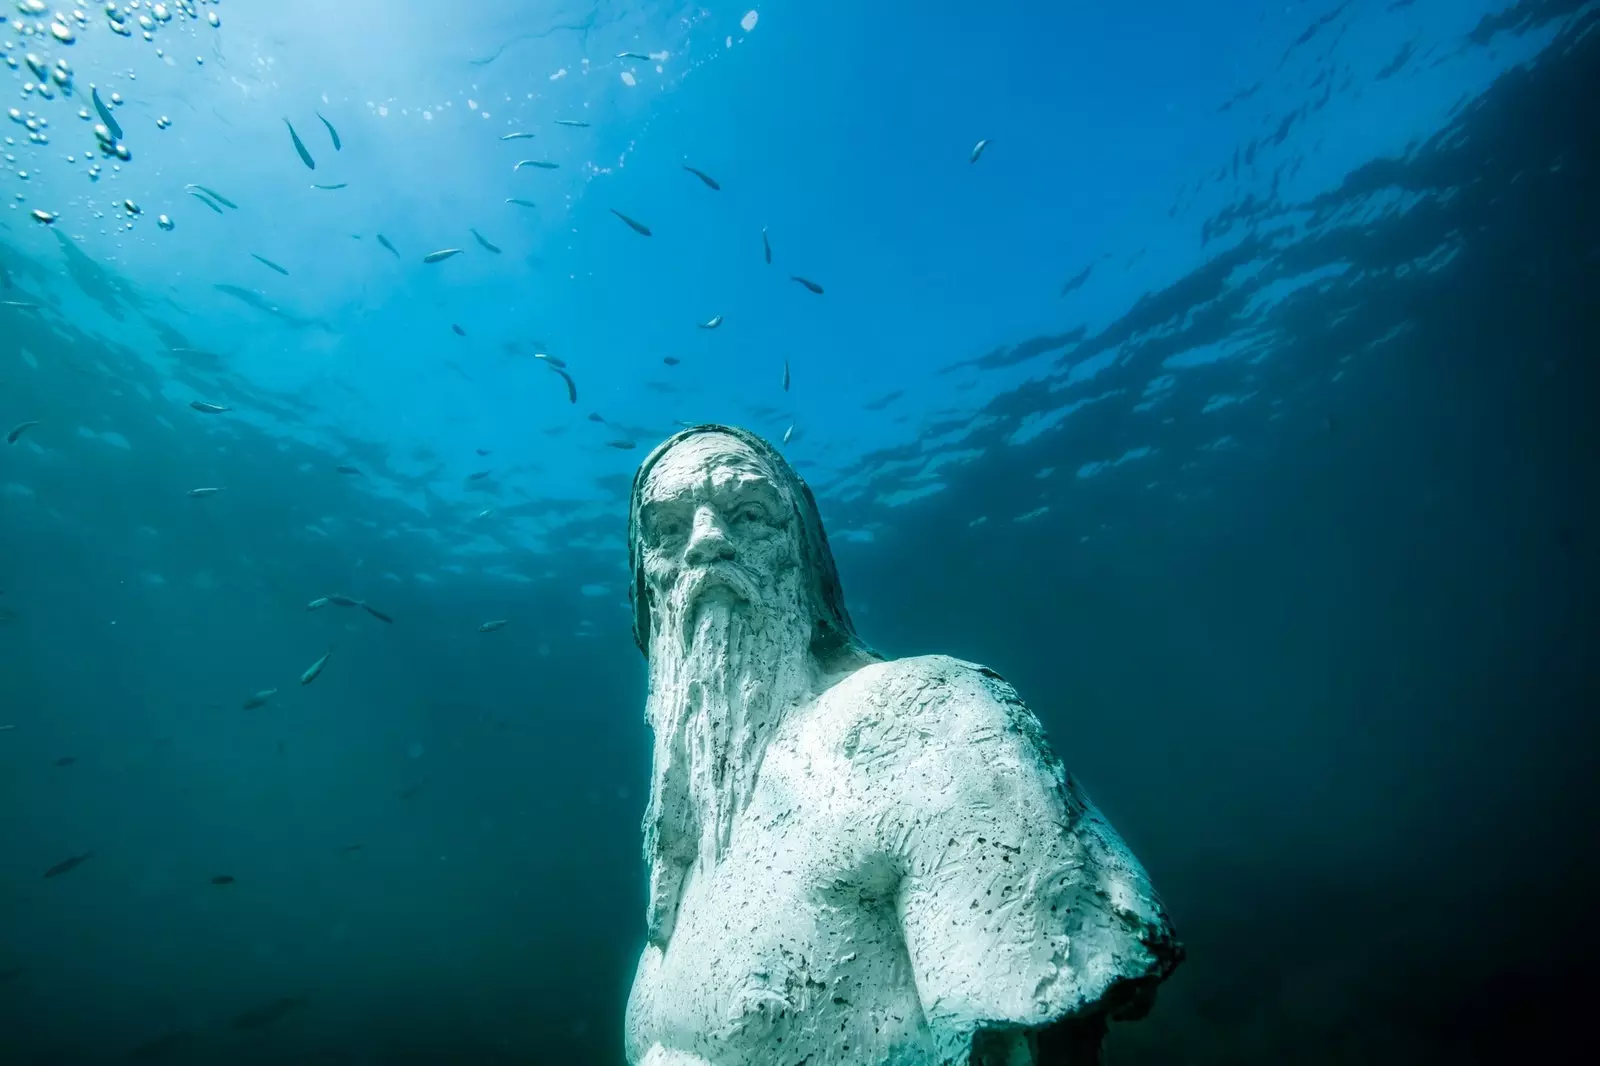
(786, 375)
(207, 491)
(343, 601)
(670, 360)
(637, 227)
(441, 255)
(552, 360)
(712, 323)
(315, 668)
(374, 612)
(481, 451)
(788, 433)
(571, 122)
(320, 601)
(330, 188)
(477, 475)
(105, 114)
(299, 146)
(572, 386)
(458, 330)
(596, 416)
(813, 286)
(385, 242)
(208, 408)
(483, 240)
(766, 246)
(18, 430)
(269, 263)
(73, 863)
(490, 627)
(520, 202)
(223, 879)
(205, 200)
(978, 150)
(541, 164)
(621, 445)
(516, 136)
(346, 468)
(703, 176)
(214, 194)
(331, 132)
(259, 699)
(633, 55)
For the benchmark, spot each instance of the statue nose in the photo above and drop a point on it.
(709, 542)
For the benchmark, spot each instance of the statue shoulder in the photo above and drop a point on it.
(937, 702)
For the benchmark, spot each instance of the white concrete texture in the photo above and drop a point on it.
(851, 861)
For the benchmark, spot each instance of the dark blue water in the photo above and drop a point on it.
(1238, 405)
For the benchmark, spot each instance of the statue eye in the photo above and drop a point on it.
(752, 512)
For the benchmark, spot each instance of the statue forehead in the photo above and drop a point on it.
(713, 459)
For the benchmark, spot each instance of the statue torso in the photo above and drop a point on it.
(788, 950)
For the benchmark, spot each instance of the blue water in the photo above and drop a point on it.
(1236, 404)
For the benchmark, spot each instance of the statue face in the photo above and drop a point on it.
(715, 523)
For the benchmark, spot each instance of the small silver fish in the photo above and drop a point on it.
(105, 114)
(621, 445)
(385, 242)
(203, 198)
(788, 433)
(572, 386)
(484, 241)
(520, 202)
(343, 601)
(786, 375)
(441, 255)
(208, 408)
(637, 227)
(260, 699)
(207, 491)
(315, 668)
(330, 188)
(263, 260)
(713, 323)
(766, 246)
(977, 150)
(808, 283)
(633, 55)
(317, 604)
(541, 164)
(214, 194)
(516, 136)
(18, 430)
(299, 146)
(571, 122)
(490, 627)
(552, 360)
(333, 133)
(711, 182)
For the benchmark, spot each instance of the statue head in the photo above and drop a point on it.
(737, 608)
(717, 513)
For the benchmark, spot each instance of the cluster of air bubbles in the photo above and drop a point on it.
(148, 18)
(109, 145)
(163, 122)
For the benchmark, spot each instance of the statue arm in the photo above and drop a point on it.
(1022, 909)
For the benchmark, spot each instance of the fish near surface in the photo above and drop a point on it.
(332, 133)
(766, 246)
(572, 386)
(385, 242)
(269, 263)
(457, 330)
(977, 150)
(18, 430)
(208, 408)
(637, 227)
(299, 146)
(208, 490)
(807, 282)
(711, 183)
(105, 114)
(484, 241)
(712, 323)
(490, 627)
(214, 194)
(441, 255)
(260, 699)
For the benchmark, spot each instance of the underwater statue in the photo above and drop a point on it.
(852, 861)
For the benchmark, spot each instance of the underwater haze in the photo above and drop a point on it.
(1223, 375)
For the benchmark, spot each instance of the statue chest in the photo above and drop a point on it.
(787, 950)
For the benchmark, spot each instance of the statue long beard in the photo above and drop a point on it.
(722, 675)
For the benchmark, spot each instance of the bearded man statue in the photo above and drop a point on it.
(852, 861)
